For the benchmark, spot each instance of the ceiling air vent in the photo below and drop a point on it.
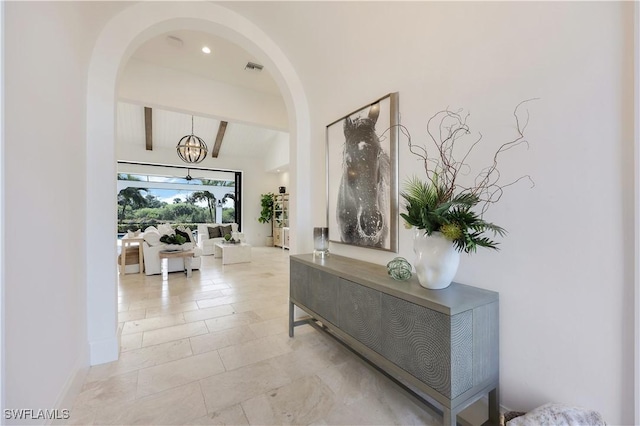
(252, 66)
(174, 41)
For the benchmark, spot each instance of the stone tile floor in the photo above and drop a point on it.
(214, 349)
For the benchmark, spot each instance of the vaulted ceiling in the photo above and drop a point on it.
(182, 51)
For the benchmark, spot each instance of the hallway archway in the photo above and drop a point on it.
(119, 39)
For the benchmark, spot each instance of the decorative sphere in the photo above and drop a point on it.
(192, 149)
(399, 269)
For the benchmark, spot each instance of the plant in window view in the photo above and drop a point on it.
(131, 197)
(209, 198)
(189, 203)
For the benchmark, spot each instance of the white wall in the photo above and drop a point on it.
(156, 86)
(278, 154)
(255, 181)
(564, 273)
(47, 47)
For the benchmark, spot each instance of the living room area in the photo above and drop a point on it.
(247, 150)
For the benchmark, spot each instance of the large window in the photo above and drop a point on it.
(155, 197)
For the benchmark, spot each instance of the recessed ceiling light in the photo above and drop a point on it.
(206, 50)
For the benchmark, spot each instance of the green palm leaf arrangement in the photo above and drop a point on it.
(428, 208)
(438, 203)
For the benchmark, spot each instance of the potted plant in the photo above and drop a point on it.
(173, 241)
(267, 203)
(447, 215)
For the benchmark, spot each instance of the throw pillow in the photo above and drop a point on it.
(133, 234)
(152, 238)
(214, 231)
(151, 229)
(165, 229)
(224, 230)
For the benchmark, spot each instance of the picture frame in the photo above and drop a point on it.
(362, 176)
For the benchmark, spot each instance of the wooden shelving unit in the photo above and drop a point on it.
(280, 220)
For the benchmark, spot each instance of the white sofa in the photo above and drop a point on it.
(207, 242)
(151, 248)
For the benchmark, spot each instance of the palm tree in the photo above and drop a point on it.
(209, 198)
(131, 196)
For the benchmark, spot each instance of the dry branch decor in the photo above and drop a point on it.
(440, 203)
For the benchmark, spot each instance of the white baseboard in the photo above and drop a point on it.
(103, 351)
(73, 385)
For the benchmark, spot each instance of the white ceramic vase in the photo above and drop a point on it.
(437, 260)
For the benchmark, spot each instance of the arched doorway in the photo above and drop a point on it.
(120, 37)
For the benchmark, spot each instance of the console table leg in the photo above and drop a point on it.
(187, 266)
(494, 406)
(448, 418)
(291, 319)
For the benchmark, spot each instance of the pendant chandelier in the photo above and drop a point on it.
(192, 149)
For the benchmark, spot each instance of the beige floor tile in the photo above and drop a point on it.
(310, 359)
(171, 309)
(227, 416)
(351, 381)
(243, 319)
(221, 339)
(141, 358)
(270, 327)
(301, 402)
(188, 296)
(274, 311)
(131, 315)
(153, 303)
(252, 352)
(175, 332)
(233, 387)
(148, 324)
(208, 313)
(78, 416)
(176, 373)
(130, 341)
(117, 389)
(216, 301)
(175, 406)
(260, 302)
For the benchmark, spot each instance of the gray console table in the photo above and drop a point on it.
(442, 343)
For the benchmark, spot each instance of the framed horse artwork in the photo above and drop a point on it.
(362, 176)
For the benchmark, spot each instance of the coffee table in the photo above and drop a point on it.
(186, 254)
(233, 253)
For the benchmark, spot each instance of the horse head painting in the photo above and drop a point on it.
(363, 204)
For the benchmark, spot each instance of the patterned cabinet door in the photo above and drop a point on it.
(323, 294)
(428, 344)
(299, 282)
(359, 313)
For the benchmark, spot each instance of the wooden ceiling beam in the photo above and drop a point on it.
(218, 143)
(148, 129)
